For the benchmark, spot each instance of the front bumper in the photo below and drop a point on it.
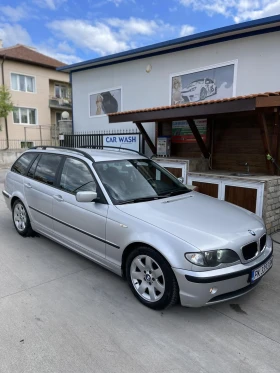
(231, 282)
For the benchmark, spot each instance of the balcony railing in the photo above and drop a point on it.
(55, 102)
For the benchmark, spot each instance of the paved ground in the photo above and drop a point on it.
(61, 313)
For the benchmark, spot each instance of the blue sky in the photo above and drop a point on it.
(77, 30)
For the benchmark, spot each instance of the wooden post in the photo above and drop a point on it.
(275, 138)
(156, 133)
(265, 140)
(146, 137)
(210, 140)
(198, 138)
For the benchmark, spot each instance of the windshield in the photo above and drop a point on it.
(136, 180)
(195, 82)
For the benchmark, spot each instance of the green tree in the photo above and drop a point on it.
(6, 105)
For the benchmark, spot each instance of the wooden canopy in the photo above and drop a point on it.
(199, 109)
(260, 104)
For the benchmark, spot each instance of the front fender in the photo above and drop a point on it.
(124, 230)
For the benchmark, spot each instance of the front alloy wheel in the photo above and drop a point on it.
(203, 94)
(151, 278)
(147, 278)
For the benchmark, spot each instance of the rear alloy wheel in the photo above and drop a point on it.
(21, 219)
(151, 278)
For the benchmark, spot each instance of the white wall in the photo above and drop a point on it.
(258, 71)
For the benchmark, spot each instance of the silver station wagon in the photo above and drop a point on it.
(125, 212)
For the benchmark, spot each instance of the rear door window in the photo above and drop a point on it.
(47, 168)
(22, 164)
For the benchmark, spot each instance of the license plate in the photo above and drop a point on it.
(259, 272)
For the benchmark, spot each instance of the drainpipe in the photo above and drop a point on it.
(6, 121)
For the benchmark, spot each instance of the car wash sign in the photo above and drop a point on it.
(122, 141)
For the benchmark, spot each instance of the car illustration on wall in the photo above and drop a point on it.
(199, 90)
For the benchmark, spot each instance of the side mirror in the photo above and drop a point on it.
(181, 179)
(86, 196)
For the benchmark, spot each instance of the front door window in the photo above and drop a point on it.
(76, 177)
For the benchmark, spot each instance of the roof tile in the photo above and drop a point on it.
(25, 54)
(236, 98)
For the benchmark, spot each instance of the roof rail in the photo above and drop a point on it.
(74, 150)
(114, 148)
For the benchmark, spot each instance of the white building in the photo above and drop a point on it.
(229, 61)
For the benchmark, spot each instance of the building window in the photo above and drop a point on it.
(23, 83)
(61, 91)
(26, 144)
(25, 115)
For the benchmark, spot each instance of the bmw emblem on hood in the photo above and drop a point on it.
(252, 232)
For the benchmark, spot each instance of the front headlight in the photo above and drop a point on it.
(212, 258)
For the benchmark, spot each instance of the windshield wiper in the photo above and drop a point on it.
(142, 199)
(176, 192)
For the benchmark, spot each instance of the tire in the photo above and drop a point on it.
(151, 278)
(203, 94)
(21, 219)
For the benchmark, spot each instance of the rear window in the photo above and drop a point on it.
(47, 168)
(22, 164)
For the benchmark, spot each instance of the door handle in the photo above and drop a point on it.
(58, 198)
(27, 185)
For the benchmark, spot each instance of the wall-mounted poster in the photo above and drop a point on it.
(105, 102)
(212, 83)
(181, 132)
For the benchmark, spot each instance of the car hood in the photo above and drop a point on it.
(200, 220)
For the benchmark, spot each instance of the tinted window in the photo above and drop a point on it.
(76, 177)
(23, 163)
(47, 168)
(32, 169)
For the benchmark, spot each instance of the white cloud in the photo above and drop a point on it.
(173, 9)
(239, 10)
(101, 3)
(97, 37)
(14, 14)
(51, 4)
(187, 30)
(63, 57)
(14, 34)
(269, 9)
(110, 35)
(116, 2)
(64, 47)
(133, 26)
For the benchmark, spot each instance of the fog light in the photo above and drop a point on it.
(213, 290)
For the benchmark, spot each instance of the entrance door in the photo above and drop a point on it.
(80, 225)
(58, 117)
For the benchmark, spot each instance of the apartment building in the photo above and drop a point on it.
(39, 92)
